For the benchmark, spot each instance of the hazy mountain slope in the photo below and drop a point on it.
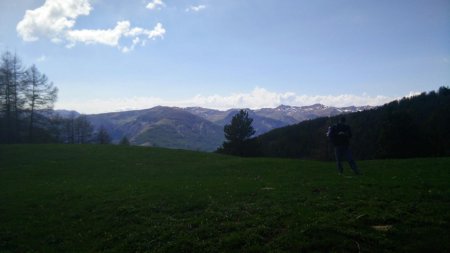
(176, 128)
(162, 126)
(208, 114)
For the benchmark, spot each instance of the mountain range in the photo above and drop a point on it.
(197, 128)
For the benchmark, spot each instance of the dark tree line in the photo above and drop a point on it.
(25, 93)
(418, 126)
(77, 130)
(26, 109)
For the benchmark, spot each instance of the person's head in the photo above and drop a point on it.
(342, 120)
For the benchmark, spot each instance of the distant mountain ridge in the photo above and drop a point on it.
(197, 128)
(266, 119)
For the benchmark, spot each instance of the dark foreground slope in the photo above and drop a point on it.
(77, 198)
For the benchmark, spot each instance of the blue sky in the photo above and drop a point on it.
(109, 55)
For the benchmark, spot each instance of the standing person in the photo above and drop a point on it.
(340, 135)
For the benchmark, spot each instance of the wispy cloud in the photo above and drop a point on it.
(155, 5)
(257, 98)
(42, 58)
(55, 21)
(111, 37)
(196, 8)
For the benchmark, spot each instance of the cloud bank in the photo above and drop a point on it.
(55, 21)
(257, 98)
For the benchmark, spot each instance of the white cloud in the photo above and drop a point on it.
(257, 98)
(55, 21)
(108, 37)
(52, 19)
(155, 4)
(42, 58)
(196, 8)
(158, 31)
(111, 37)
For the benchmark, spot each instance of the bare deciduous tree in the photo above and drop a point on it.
(83, 130)
(40, 95)
(11, 98)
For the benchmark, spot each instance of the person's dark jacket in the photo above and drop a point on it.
(340, 134)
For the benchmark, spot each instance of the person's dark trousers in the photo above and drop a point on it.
(343, 152)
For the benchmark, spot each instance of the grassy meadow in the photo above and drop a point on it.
(95, 198)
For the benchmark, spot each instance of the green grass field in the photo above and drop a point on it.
(74, 198)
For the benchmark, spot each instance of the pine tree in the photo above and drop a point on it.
(237, 134)
(103, 136)
(124, 141)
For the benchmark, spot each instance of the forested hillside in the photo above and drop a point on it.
(417, 126)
